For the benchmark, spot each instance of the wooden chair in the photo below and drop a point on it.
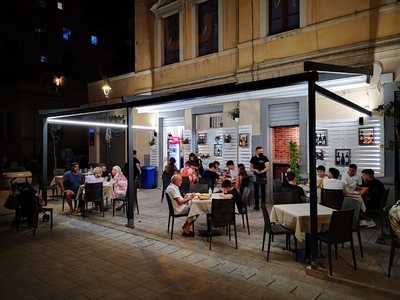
(173, 215)
(332, 198)
(276, 229)
(340, 231)
(222, 214)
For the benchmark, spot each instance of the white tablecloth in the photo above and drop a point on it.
(198, 207)
(297, 217)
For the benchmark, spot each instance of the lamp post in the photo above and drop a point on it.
(106, 89)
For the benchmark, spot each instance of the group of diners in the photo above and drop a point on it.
(74, 179)
(350, 182)
(233, 180)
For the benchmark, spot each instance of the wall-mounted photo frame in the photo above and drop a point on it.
(202, 138)
(366, 136)
(320, 154)
(227, 138)
(219, 139)
(321, 137)
(217, 150)
(243, 140)
(342, 157)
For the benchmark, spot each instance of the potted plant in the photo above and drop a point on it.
(294, 154)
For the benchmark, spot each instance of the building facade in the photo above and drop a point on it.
(188, 44)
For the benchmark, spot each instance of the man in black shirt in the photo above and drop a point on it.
(372, 192)
(210, 176)
(259, 165)
(136, 167)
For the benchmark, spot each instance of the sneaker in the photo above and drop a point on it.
(363, 223)
(371, 224)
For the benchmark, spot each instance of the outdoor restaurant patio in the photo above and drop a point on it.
(149, 124)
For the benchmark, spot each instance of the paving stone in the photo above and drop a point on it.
(144, 243)
(195, 258)
(245, 272)
(226, 267)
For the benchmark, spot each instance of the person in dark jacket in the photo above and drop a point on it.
(229, 188)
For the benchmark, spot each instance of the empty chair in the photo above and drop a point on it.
(332, 198)
(222, 214)
(354, 204)
(340, 231)
(94, 194)
(173, 215)
(199, 188)
(276, 229)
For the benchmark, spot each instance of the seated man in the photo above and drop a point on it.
(72, 182)
(229, 189)
(181, 204)
(210, 176)
(350, 179)
(321, 175)
(291, 185)
(372, 192)
(333, 182)
(217, 165)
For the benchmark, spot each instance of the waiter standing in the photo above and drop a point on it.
(259, 165)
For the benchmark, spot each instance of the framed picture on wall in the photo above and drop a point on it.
(218, 150)
(366, 136)
(219, 139)
(202, 139)
(320, 154)
(342, 157)
(243, 140)
(321, 136)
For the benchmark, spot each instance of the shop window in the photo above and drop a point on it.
(42, 3)
(171, 39)
(66, 32)
(60, 5)
(208, 27)
(93, 40)
(283, 15)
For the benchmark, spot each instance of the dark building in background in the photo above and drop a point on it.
(49, 51)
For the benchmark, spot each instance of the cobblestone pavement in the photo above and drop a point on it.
(97, 258)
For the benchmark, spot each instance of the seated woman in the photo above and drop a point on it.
(95, 177)
(181, 204)
(243, 179)
(291, 185)
(333, 182)
(189, 172)
(229, 189)
(120, 184)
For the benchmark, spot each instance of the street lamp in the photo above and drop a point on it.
(106, 89)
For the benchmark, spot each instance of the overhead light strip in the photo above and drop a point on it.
(96, 124)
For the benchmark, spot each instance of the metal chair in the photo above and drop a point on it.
(340, 231)
(286, 196)
(395, 244)
(245, 202)
(222, 214)
(173, 215)
(276, 229)
(94, 194)
(332, 198)
(354, 204)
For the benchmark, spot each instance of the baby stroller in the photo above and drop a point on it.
(27, 205)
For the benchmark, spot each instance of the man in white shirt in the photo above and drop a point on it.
(350, 179)
(181, 204)
(333, 182)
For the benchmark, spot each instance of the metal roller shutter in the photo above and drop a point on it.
(284, 114)
(174, 122)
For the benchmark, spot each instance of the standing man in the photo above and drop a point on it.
(259, 165)
(136, 167)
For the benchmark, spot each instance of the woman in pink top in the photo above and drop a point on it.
(189, 172)
(120, 183)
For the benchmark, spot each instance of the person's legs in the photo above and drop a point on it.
(69, 196)
(263, 193)
(256, 195)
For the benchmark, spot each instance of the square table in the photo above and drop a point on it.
(297, 217)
